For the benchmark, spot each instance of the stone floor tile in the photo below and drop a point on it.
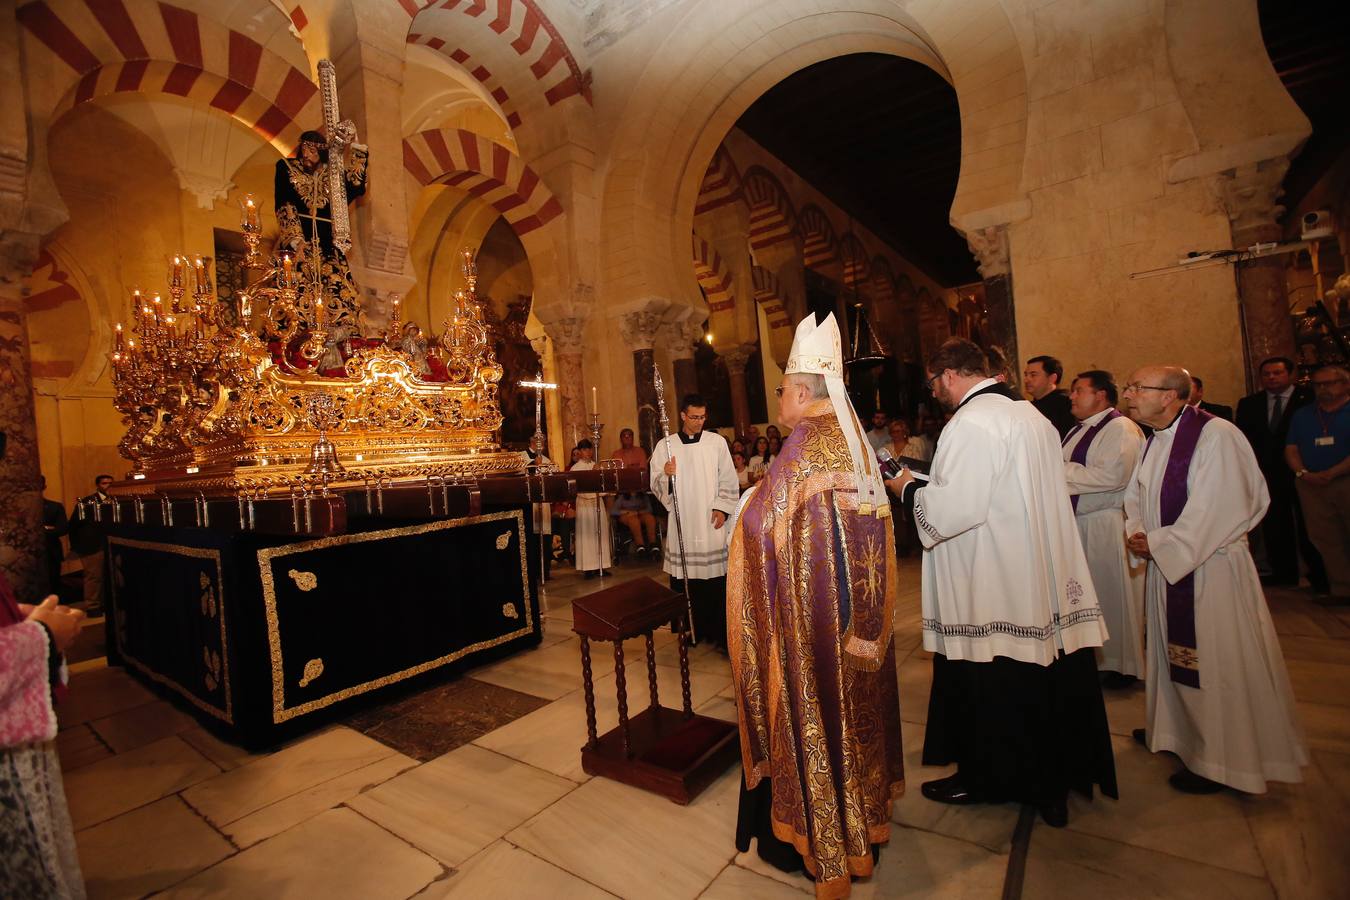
(118, 784)
(989, 825)
(305, 805)
(1325, 727)
(147, 849)
(504, 872)
(338, 854)
(221, 752)
(1152, 815)
(99, 693)
(1336, 768)
(1301, 832)
(916, 681)
(1066, 863)
(140, 725)
(750, 861)
(737, 883)
(1318, 681)
(718, 707)
(454, 806)
(616, 837)
(1126, 709)
(551, 738)
(79, 746)
(549, 672)
(1315, 649)
(296, 768)
(919, 864)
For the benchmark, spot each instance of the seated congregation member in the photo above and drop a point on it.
(632, 457)
(810, 598)
(634, 511)
(1218, 692)
(1008, 605)
(879, 432)
(594, 545)
(742, 470)
(759, 459)
(1099, 457)
(1318, 453)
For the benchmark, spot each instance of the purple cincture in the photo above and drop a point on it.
(1080, 451)
(1172, 498)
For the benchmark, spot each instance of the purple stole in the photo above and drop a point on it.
(1182, 658)
(1080, 451)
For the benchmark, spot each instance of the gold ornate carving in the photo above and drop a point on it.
(509, 610)
(305, 581)
(313, 669)
(217, 398)
(503, 540)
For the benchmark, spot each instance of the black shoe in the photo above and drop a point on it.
(591, 574)
(1140, 737)
(950, 790)
(1188, 782)
(1115, 681)
(1056, 815)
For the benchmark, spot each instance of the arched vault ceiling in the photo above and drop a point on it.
(881, 137)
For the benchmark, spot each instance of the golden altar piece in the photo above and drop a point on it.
(230, 397)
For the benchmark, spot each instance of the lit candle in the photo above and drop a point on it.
(286, 269)
(250, 213)
(158, 307)
(595, 400)
(119, 335)
(201, 272)
(177, 272)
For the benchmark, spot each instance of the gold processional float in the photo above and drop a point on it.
(212, 408)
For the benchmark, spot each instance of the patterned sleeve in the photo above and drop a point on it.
(26, 712)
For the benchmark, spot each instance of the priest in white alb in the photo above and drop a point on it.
(595, 548)
(708, 491)
(1218, 691)
(1009, 610)
(1100, 453)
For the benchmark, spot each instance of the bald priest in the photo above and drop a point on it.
(811, 591)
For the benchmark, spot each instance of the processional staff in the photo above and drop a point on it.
(539, 385)
(674, 498)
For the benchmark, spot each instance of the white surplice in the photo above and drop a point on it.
(705, 480)
(1003, 567)
(594, 548)
(1238, 727)
(1116, 574)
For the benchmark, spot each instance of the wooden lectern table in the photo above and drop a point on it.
(669, 752)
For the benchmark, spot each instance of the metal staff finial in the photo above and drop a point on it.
(674, 497)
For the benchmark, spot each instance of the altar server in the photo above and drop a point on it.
(1099, 457)
(708, 490)
(810, 597)
(595, 552)
(1218, 692)
(1008, 604)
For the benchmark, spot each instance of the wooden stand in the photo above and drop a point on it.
(669, 752)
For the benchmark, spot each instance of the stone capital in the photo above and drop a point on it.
(1251, 193)
(737, 356)
(640, 321)
(989, 246)
(206, 187)
(679, 336)
(565, 325)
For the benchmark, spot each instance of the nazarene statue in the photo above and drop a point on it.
(305, 215)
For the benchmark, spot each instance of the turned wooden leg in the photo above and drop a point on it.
(651, 669)
(621, 686)
(684, 673)
(589, 687)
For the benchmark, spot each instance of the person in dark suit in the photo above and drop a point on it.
(1264, 419)
(55, 525)
(87, 539)
(1041, 380)
(1197, 400)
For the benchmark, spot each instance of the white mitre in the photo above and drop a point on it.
(818, 350)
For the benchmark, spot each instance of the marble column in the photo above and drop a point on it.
(565, 325)
(736, 358)
(638, 329)
(990, 248)
(22, 547)
(1251, 194)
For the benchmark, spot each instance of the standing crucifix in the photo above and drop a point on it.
(539, 385)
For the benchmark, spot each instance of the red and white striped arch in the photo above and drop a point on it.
(479, 72)
(112, 46)
(713, 277)
(772, 218)
(771, 300)
(854, 257)
(486, 170)
(721, 183)
(882, 281)
(820, 247)
(529, 43)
